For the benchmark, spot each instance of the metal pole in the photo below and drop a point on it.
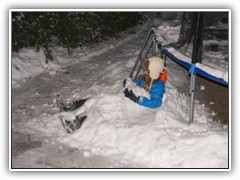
(198, 25)
(192, 93)
(152, 30)
(140, 67)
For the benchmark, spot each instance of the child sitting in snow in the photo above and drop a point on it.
(150, 81)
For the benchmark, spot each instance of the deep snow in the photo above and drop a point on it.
(117, 132)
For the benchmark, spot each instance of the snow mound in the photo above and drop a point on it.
(161, 138)
(27, 63)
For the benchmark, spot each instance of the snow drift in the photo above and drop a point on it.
(161, 138)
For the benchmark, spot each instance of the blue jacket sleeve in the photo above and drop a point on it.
(140, 82)
(156, 96)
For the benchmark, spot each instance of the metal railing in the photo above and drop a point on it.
(140, 59)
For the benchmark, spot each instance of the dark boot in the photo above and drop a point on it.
(70, 125)
(69, 107)
(76, 104)
(78, 121)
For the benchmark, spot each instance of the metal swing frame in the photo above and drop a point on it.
(141, 58)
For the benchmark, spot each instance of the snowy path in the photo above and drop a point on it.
(104, 141)
(35, 98)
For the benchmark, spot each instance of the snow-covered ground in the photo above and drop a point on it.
(117, 133)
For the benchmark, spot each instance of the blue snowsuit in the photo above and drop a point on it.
(156, 94)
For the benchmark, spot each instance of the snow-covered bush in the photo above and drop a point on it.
(72, 29)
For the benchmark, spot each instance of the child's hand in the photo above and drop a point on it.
(131, 95)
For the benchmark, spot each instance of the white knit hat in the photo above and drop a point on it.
(155, 67)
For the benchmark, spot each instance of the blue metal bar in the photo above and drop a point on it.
(197, 70)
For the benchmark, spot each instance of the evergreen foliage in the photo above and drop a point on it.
(72, 29)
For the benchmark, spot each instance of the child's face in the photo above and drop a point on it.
(146, 72)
